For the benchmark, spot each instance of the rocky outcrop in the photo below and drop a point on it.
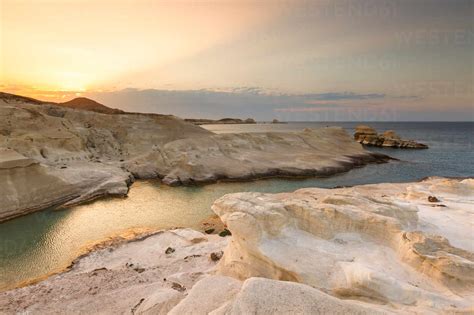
(368, 136)
(28, 185)
(380, 244)
(246, 156)
(77, 155)
(372, 249)
(51, 155)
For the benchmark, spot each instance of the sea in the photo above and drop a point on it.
(45, 242)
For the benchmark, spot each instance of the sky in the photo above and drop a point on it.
(292, 60)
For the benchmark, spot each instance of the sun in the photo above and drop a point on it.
(72, 81)
(73, 86)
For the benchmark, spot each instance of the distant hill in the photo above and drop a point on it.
(85, 103)
(81, 103)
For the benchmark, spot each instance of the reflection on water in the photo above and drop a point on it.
(47, 241)
(44, 242)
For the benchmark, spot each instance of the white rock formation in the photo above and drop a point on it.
(28, 186)
(225, 295)
(209, 294)
(379, 244)
(50, 155)
(373, 249)
(323, 151)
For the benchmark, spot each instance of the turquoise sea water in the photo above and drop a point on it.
(47, 241)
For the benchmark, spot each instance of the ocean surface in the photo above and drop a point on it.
(45, 242)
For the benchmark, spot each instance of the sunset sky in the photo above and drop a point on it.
(296, 60)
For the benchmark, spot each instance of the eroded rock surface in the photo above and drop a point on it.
(51, 155)
(373, 249)
(28, 185)
(382, 245)
(133, 278)
(369, 136)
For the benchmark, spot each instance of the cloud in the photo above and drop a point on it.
(263, 104)
(345, 96)
(240, 102)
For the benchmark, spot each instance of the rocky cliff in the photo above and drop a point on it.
(76, 155)
(73, 155)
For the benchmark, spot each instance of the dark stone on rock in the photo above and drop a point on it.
(225, 233)
(216, 256)
(95, 271)
(138, 269)
(169, 250)
(178, 287)
(433, 199)
(209, 231)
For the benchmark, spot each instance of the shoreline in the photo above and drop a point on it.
(109, 242)
(83, 155)
(113, 241)
(90, 246)
(357, 162)
(382, 214)
(137, 234)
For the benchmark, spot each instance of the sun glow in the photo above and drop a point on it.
(72, 81)
(117, 44)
